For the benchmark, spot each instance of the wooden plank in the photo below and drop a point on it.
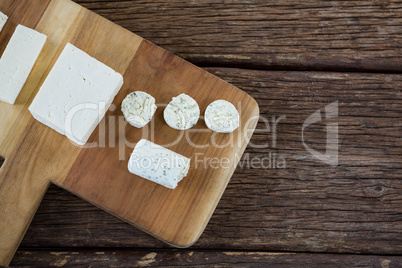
(130, 258)
(354, 207)
(315, 35)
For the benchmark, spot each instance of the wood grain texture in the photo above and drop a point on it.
(35, 154)
(307, 207)
(19, 198)
(132, 258)
(258, 34)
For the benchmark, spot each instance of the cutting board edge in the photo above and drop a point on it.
(7, 256)
(194, 238)
(202, 70)
(241, 152)
(141, 228)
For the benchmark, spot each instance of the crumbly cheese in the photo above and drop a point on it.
(182, 112)
(3, 20)
(18, 60)
(76, 94)
(158, 164)
(138, 108)
(221, 116)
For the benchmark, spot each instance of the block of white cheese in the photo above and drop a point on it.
(76, 94)
(182, 112)
(158, 164)
(18, 60)
(221, 116)
(138, 108)
(3, 20)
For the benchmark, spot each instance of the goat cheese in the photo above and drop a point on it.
(3, 20)
(18, 60)
(182, 112)
(138, 108)
(76, 94)
(221, 116)
(158, 164)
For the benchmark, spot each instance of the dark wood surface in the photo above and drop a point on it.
(153, 258)
(312, 35)
(312, 213)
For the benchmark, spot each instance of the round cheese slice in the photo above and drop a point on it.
(221, 116)
(138, 108)
(182, 112)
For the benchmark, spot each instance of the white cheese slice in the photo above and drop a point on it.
(76, 94)
(18, 60)
(182, 112)
(3, 20)
(138, 108)
(221, 116)
(158, 164)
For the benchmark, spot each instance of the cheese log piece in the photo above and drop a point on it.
(138, 108)
(3, 20)
(182, 112)
(76, 94)
(18, 60)
(221, 116)
(158, 164)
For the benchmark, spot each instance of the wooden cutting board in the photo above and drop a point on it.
(36, 156)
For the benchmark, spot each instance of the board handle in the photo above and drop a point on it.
(20, 197)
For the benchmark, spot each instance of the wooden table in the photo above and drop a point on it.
(294, 58)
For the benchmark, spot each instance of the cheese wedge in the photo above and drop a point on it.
(158, 164)
(76, 94)
(18, 60)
